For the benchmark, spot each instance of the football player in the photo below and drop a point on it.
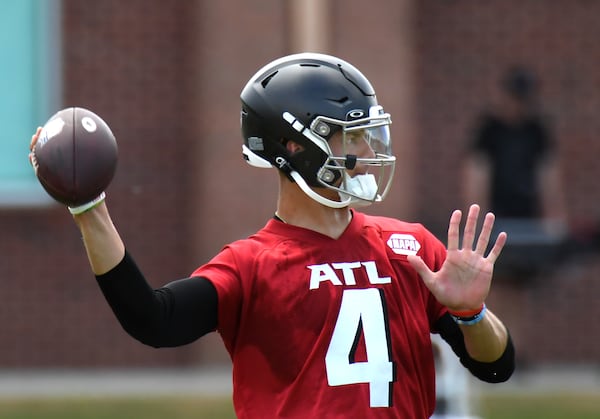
(326, 312)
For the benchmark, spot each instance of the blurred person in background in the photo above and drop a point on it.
(512, 170)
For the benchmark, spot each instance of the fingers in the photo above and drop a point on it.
(484, 238)
(498, 246)
(422, 269)
(486, 232)
(34, 138)
(32, 143)
(470, 232)
(33, 162)
(470, 227)
(453, 230)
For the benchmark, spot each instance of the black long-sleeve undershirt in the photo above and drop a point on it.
(491, 372)
(174, 315)
(184, 310)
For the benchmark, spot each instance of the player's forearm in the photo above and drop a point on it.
(103, 245)
(486, 340)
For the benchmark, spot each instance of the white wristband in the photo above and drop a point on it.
(86, 207)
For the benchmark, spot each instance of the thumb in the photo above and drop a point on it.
(418, 265)
(423, 270)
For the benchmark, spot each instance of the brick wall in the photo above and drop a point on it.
(166, 76)
(463, 49)
(127, 61)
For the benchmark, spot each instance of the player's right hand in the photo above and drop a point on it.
(32, 143)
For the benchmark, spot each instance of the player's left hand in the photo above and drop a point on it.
(464, 280)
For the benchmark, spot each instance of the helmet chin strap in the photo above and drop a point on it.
(313, 195)
(362, 189)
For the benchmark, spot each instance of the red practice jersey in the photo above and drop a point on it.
(325, 328)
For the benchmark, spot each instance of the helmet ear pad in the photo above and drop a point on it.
(262, 141)
(308, 164)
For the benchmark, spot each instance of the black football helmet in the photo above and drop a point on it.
(311, 98)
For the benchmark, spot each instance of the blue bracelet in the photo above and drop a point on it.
(469, 321)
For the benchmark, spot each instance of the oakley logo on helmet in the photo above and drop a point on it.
(355, 114)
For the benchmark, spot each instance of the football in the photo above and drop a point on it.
(76, 156)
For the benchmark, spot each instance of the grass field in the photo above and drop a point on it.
(117, 408)
(547, 406)
(552, 406)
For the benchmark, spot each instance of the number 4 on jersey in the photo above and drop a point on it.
(362, 310)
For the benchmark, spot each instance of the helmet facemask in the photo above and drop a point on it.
(357, 163)
(360, 166)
